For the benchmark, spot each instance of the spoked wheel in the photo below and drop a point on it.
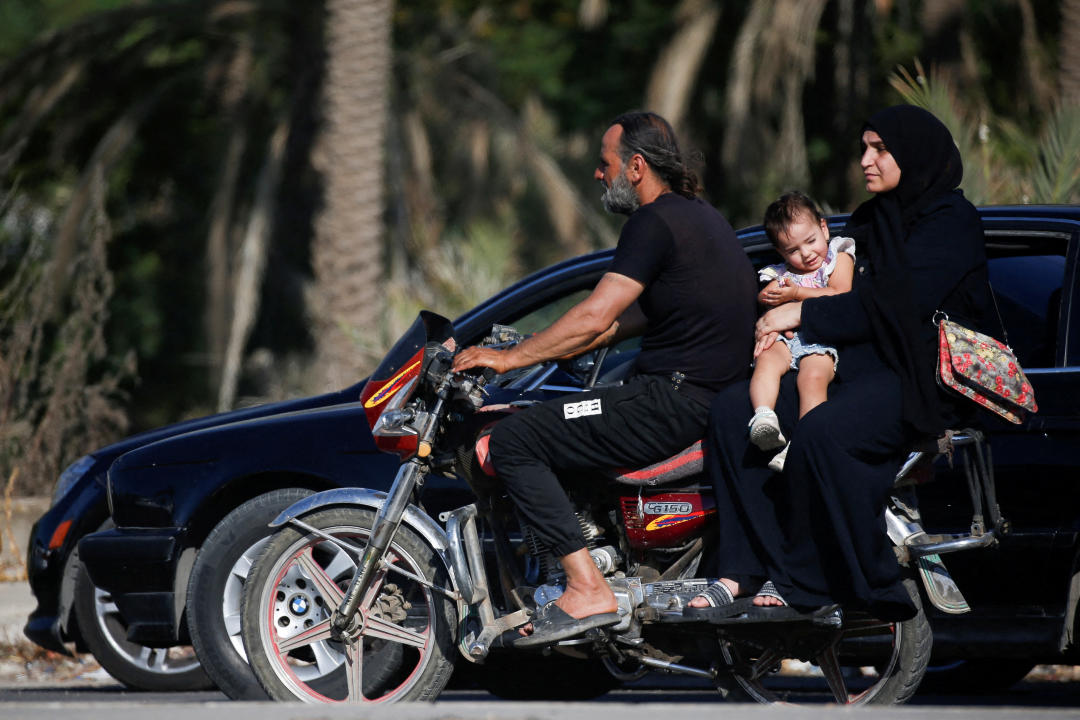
(866, 662)
(402, 647)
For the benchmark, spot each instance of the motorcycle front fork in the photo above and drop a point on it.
(382, 532)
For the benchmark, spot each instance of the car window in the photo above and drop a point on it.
(1027, 289)
(542, 317)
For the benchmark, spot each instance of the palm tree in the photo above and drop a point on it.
(345, 300)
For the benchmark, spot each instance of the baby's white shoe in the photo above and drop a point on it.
(777, 463)
(765, 429)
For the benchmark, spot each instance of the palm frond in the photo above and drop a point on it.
(934, 92)
(1056, 176)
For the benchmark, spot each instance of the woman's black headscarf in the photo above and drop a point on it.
(930, 167)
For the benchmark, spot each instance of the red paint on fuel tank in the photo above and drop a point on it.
(665, 519)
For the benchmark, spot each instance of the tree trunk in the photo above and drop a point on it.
(1039, 84)
(107, 152)
(347, 254)
(219, 251)
(1070, 51)
(674, 76)
(772, 61)
(251, 265)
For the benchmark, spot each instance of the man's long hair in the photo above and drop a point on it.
(649, 135)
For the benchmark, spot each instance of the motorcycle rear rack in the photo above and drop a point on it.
(923, 550)
(904, 521)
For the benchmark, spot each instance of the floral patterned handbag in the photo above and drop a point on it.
(982, 369)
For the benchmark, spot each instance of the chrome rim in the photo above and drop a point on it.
(232, 612)
(159, 661)
(307, 582)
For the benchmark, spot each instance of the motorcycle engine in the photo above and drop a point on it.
(543, 568)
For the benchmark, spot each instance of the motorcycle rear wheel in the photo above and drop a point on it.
(404, 650)
(874, 663)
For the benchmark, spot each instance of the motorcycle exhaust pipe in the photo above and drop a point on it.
(676, 668)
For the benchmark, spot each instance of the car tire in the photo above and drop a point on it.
(104, 632)
(216, 589)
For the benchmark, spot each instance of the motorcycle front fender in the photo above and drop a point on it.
(414, 517)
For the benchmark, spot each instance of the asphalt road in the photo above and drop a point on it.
(98, 697)
(637, 705)
(77, 692)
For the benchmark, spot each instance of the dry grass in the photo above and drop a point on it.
(61, 394)
(23, 661)
(11, 570)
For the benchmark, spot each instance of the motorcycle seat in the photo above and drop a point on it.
(683, 464)
(690, 461)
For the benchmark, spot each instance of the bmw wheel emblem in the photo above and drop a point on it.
(299, 605)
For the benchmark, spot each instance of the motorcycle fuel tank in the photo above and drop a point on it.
(658, 518)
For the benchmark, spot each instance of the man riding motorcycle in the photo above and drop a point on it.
(680, 280)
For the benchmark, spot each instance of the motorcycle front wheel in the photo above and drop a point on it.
(871, 662)
(403, 648)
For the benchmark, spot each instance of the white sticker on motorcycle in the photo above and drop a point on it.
(581, 409)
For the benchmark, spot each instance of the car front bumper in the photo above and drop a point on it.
(145, 572)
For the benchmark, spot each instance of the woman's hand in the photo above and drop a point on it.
(470, 357)
(764, 343)
(781, 319)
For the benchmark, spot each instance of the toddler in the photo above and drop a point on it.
(814, 265)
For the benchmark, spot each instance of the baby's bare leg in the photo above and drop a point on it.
(815, 374)
(769, 368)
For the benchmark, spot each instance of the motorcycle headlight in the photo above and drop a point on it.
(70, 476)
(395, 423)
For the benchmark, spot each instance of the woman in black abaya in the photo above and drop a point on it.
(817, 531)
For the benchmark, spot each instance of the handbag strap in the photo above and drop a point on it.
(1004, 332)
(997, 310)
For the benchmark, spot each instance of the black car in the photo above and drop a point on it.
(191, 503)
(71, 609)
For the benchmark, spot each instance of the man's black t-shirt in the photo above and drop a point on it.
(700, 292)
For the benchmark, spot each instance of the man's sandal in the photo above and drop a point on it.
(552, 624)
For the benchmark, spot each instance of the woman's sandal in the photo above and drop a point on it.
(722, 604)
(827, 615)
(767, 589)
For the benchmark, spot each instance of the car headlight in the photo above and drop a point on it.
(70, 476)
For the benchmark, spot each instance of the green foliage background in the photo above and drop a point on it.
(495, 88)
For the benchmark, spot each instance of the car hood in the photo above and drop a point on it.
(340, 397)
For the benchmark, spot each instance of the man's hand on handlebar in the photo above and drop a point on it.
(471, 357)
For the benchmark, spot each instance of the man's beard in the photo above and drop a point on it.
(620, 197)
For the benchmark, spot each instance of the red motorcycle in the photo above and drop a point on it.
(361, 596)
